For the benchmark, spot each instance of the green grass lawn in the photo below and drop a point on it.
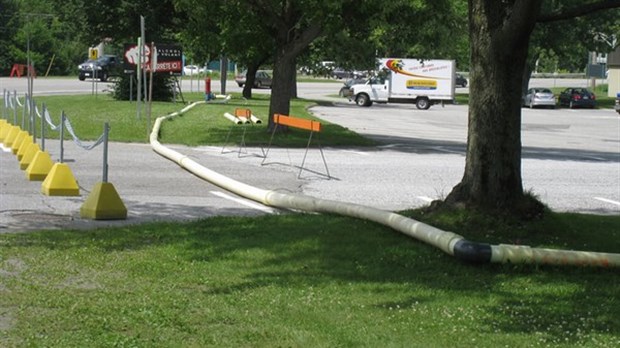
(300, 281)
(204, 124)
(293, 280)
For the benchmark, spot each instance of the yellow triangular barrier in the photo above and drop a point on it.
(19, 138)
(40, 166)
(10, 138)
(103, 203)
(60, 182)
(28, 140)
(28, 156)
(4, 126)
(4, 131)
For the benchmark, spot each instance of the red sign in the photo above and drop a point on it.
(169, 58)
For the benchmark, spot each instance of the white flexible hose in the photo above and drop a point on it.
(448, 242)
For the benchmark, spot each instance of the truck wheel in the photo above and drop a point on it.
(363, 100)
(104, 77)
(423, 104)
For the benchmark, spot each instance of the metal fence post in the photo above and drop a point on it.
(62, 135)
(106, 130)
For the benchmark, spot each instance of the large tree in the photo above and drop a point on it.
(293, 25)
(499, 33)
(9, 26)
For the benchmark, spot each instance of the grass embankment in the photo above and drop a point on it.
(294, 280)
(201, 125)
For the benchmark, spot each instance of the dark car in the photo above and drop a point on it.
(345, 91)
(100, 68)
(340, 73)
(461, 81)
(577, 97)
(539, 97)
(261, 79)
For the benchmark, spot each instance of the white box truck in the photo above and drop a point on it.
(413, 81)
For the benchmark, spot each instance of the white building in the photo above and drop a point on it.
(613, 77)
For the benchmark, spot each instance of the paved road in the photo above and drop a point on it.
(311, 90)
(571, 160)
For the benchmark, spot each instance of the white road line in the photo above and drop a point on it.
(388, 146)
(607, 200)
(245, 202)
(425, 199)
(355, 152)
(440, 148)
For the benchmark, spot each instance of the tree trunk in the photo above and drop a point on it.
(294, 82)
(499, 37)
(282, 86)
(290, 43)
(249, 80)
(530, 64)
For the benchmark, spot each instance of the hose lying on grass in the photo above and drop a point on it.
(450, 243)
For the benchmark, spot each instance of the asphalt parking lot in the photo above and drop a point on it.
(571, 161)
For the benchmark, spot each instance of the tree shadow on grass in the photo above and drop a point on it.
(324, 250)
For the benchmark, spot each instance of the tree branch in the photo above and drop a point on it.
(578, 11)
(519, 24)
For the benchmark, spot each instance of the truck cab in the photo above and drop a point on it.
(376, 89)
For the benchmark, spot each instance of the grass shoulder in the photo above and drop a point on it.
(202, 125)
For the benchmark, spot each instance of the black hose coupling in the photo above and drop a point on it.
(472, 251)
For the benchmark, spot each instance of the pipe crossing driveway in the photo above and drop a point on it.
(571, 160)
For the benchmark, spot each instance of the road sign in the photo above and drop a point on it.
(93, 53)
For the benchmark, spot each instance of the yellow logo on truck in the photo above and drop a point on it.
(422, 84)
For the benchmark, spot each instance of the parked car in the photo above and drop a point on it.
(461, 81)
(539, 97)
(617, 105)
(345, 91)
(577, 97)
(192, 70)
(261, 79)
(340, 73)
(100, 68)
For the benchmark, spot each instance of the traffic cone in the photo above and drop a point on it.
(40, 166)
(60, 182)
(103, 203)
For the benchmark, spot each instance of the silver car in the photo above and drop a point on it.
(261, 79)
(539, 97)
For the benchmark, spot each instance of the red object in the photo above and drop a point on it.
(208, 85)
(18, 69)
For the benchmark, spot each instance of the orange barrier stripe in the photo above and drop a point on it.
(301, 123)
(243, 113)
